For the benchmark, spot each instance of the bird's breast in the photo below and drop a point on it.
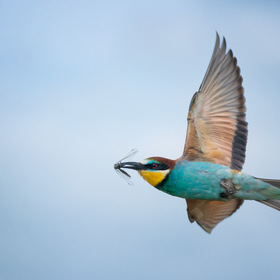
(196, 180)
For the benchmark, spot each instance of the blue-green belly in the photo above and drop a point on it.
(201, 180)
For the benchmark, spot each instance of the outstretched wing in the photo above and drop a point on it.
(209, 213)
(217, 130)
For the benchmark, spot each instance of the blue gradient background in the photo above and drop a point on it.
(82, 83)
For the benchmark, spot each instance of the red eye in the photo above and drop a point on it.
(154, 165)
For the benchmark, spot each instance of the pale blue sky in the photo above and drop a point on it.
(84, 82)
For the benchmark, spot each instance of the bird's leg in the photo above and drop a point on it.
(228, 185)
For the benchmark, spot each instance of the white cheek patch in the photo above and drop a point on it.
(144, 161)
(164, 172)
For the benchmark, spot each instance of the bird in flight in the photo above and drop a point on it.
(208, 174)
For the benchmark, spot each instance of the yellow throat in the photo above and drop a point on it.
(154, 177)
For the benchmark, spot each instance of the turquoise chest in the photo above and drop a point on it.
(205, 180)
(196, 180)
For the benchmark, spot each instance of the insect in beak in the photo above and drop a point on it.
(119, 165)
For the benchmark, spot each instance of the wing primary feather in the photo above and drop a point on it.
(216, 48)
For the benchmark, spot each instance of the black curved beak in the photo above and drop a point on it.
(129, 165)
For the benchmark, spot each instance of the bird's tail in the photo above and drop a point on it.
(274, 203)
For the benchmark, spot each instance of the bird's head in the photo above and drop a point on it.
(154, 170)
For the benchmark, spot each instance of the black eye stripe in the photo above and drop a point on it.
(156, 166)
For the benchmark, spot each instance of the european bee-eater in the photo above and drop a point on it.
(208, 174)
